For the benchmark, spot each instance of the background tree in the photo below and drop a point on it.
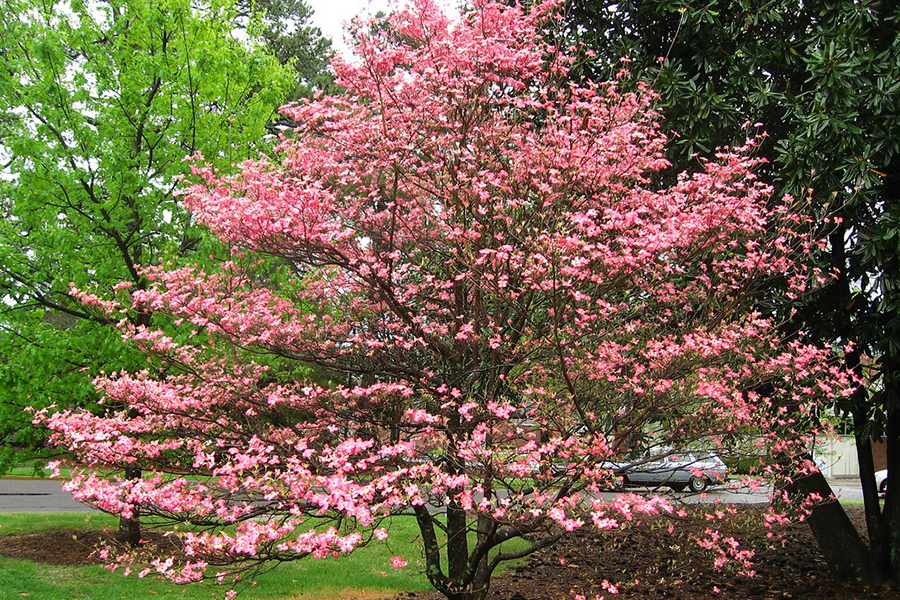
(822, 78)
(283, 25)
(99, 104)
(505, 299)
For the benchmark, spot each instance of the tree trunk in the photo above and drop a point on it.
(875, 523)
(457, 542)
(130, 529)
(847, 555)
(887, 353)
(457, 584)
(884, 525)
(469, 594)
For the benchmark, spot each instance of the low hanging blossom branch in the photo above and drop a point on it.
(484, 301)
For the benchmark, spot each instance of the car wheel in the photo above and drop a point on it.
(698, 484)
(882, 489)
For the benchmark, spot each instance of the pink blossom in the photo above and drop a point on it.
(455, 291)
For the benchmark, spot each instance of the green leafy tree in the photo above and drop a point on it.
(99, 104)
(284, 27)
(823, 78)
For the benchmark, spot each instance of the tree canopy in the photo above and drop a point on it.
(821, 78)
(284, 27)
(100, 102)
(507, 302)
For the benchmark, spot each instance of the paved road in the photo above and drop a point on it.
(844, 490)
(847, 489)
(47, 494)
(35, 495)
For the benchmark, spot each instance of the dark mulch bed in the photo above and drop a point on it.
(648, 563)
(71, 546)
(645, 562)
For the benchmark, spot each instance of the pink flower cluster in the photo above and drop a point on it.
(459, 291)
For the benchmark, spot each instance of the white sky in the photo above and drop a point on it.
(330, 15)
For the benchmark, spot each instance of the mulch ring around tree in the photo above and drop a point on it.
(643, 562)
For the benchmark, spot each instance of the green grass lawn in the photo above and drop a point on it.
(366, 573)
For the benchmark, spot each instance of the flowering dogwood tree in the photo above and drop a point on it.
(499, 302)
